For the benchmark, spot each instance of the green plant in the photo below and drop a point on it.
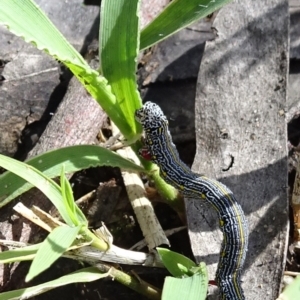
(63, 237)
(113, 86)
(189, 282)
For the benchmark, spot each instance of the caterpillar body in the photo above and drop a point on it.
(161, 150)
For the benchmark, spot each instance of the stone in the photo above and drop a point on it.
(241, 90)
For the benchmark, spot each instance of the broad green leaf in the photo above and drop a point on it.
(191, 288)
(47, 186)
(73, 159)
(84, 275)
(15, 255)
(177, 264)
(24, 18)
(177, 15)
(119, 37)
(56, 243)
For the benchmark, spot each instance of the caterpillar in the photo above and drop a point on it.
(160, 149)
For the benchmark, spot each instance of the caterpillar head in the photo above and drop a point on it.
(150, 116)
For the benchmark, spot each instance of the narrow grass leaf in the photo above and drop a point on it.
(73, 158)
(56, 243)
(75, 213)
(177, 15)
(67, 197)
(101, 91)
(24, 18)
(36, 178)
(84, 275)
(119, 46)
(20, 254)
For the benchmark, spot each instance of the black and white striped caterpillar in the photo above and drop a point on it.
(161, 150)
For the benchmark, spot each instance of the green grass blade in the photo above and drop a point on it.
(119, 37)
(73, 158)
(192, 288)
(56, 243)
(16, 255)
(74, 212)
(177, 15)
(83, 275)
(47, 186)
(67, 197)
(101, 91)
(24, 18)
